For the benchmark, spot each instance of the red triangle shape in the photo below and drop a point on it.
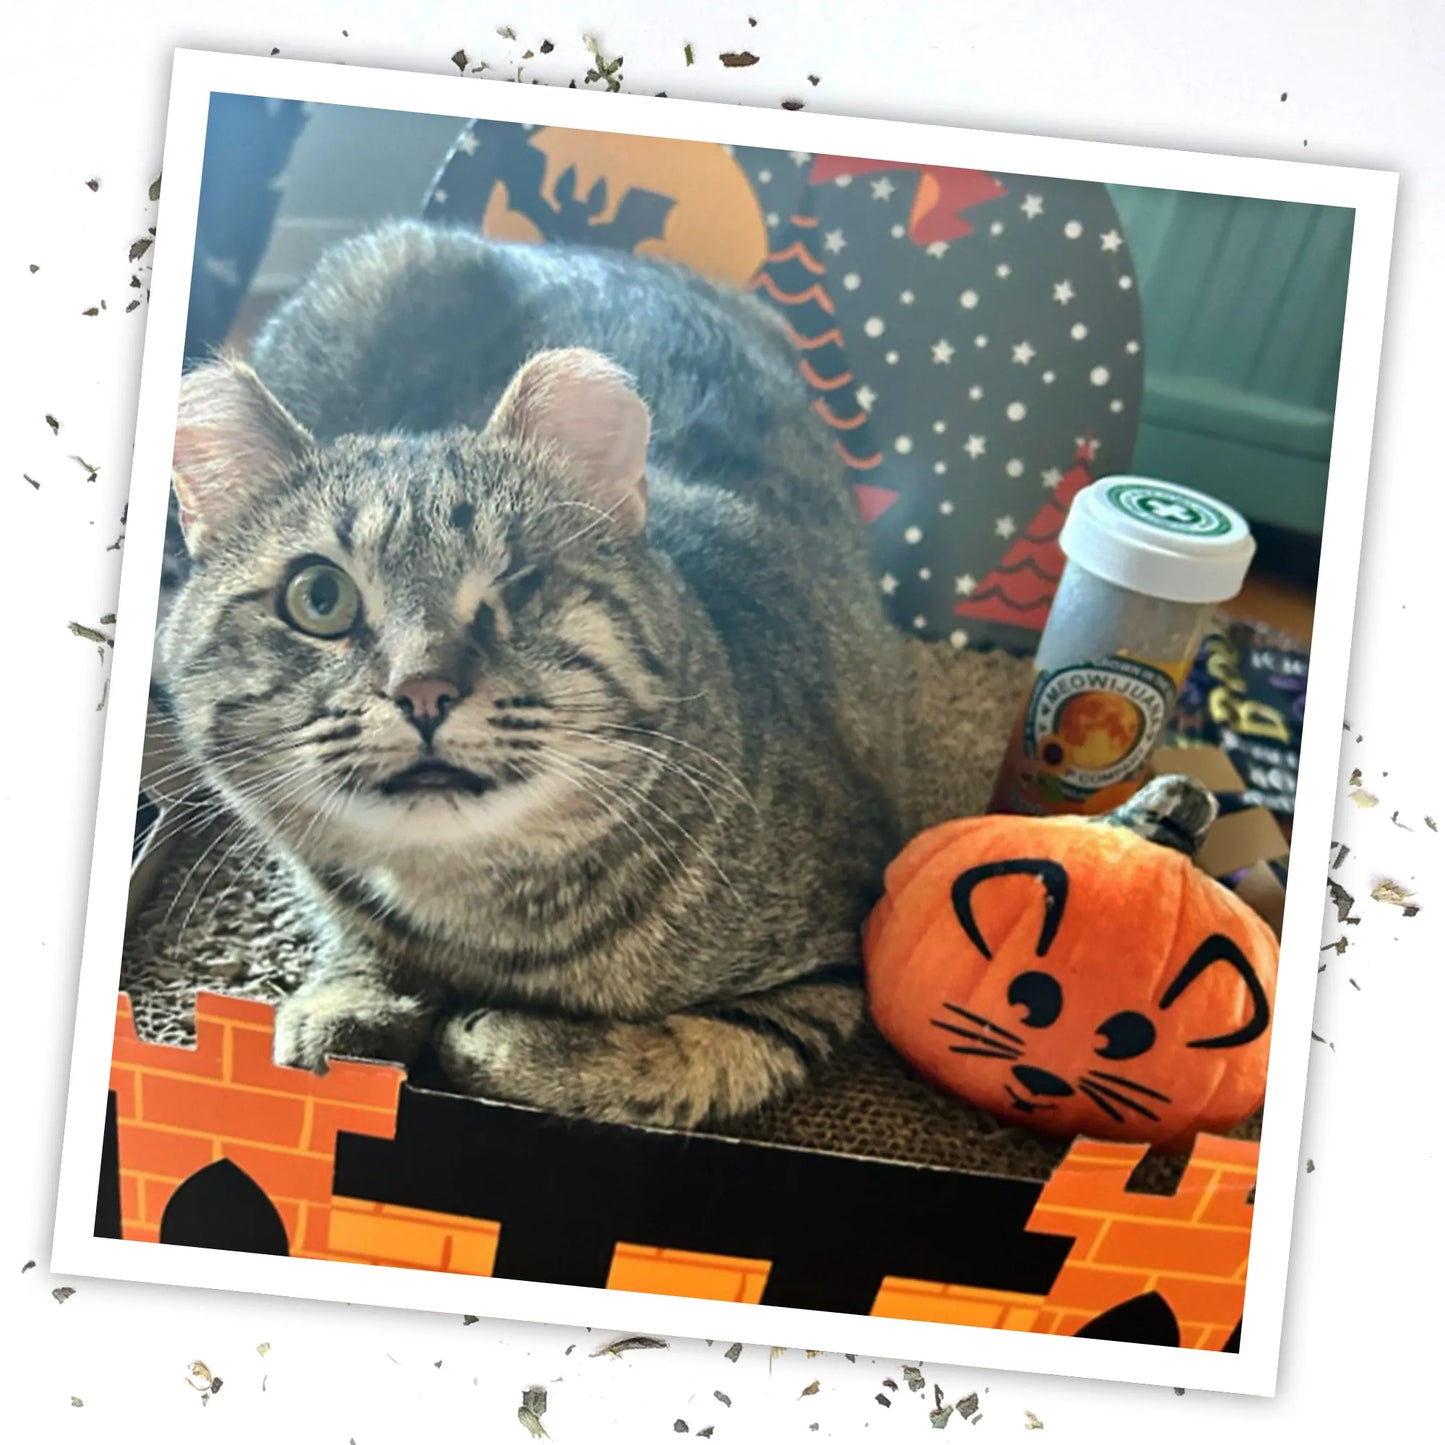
(873, 501)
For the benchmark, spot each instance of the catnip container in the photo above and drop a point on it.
(1148, 562)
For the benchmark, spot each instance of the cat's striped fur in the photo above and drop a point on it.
(693, 732)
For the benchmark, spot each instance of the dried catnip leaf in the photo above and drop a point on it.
(155, 189)
(52, 423)
(469, 1319)
(852, 1359)
(532, 1423)
(1341, 855)
(31, 480)
(62, 1294)
(93, 472)
(263, 1349)
(630, 1342)
(1363, 799)
(1355, 778)
(939, 1418)
(732, 1353)
(680, 1427)
(91, 311)
(705, 1433)
(725, 1399)
(735, 59)
(93, 184)
(913, 1378)
(546, 47)
(139, 248)
(1342, 898)
(1309, 1166)
(1032, 1421)
(687, 54)
(1388, 892)
(968, 1405)
(535, 1399)
(792, 105)
(506, 32)
(459, 59)
(27, 1266)
(809, 1389)
(814, 79)
(883, 1400)
(76, 1402)
(1430, 823)
(892, 1384)
(1338, 946)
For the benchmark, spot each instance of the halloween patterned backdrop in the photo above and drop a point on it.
(973, 340)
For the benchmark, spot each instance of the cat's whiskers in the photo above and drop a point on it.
(1130, 1084)
(1099, 1102)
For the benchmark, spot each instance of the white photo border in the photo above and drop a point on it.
(196, 77)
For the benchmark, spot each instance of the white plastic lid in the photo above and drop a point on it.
(1158, 538)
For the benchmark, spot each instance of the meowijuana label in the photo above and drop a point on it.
(1086, 733)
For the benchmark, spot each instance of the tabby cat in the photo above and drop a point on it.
(528, 618)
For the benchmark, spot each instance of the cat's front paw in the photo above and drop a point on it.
(348, 1018)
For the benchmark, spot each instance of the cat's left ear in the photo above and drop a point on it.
(234, 440)
(581, 405)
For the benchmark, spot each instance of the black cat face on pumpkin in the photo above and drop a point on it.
(1069, 1034)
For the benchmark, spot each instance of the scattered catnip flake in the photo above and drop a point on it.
(93, 184)
(478, 69)
(1341, 855)
(546, 47)
(139, 248)
(436, 1364)
(532, 1423)
(535, 1399)
(104, 695)
(735, 59)
(1177, 1390)
(79, 629)
(732, 1353)
(814, 79)
(687, 54)
(263, 1349)
(1338, 946)
(62, 1294)
(27, 1266)
(216, 1383)
(938, 1418)
(913, 1378)
(680, 1427)
(275, 50)
(52, 423)
(1032, 1421)
(1316, 1037)
(506, 32)
(31, 480)
(1309, 1166)
(459, 59)
(1355, 778)
(469, 1319)
(883, 1400)
(86, 466)
(131, 307)
(1355, 986)
(76, 1402)
(968, 1405)
(1342, 898)
(725, 1399)
(892, 1384)
(1388, 892)
(630, 1342)
(792, 105)
(852, 1359)
(155, 189)
(751, 21)
(91, 311)
(33, 268)
(528, 54)
(809, 1389)
(813, 1426)
(705, 1433)
(108, 619)
(569, 1349)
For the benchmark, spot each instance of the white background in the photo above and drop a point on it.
(84, 92)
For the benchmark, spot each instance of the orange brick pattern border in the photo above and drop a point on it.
(180, 1109)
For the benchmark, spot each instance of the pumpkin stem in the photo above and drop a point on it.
(1174, 811)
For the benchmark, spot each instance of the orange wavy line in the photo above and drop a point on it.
(799, 252)
(794, 298)
(808, 221)
(826, 412)
(817, 382)
(812, 343)
(861, 464)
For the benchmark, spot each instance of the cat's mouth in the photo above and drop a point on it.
(431, 776)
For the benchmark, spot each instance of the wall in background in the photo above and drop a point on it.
(1243, 306)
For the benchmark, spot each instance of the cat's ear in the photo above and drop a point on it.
(580, 404)
(233, 441)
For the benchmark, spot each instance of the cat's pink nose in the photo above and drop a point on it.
(425, 700)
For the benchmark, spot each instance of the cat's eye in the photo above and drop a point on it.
(1126, 1036)
(320, 599)
(1039, 995)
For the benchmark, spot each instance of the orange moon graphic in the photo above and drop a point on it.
(716, 226)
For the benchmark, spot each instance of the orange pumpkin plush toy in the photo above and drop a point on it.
(1078, 976)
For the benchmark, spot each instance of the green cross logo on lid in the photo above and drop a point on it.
(1169, 510)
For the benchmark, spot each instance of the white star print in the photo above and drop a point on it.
(834, 242)
(897, 232)
(975, 446)
(975, 393)
(906, 297)
(920, 622)
(1005, 527)
(1063, 292)
(964, 585)
(939, 468)
(1002, 271)
(1090, 447)
(1024, 353)
(865, 397)
(959, 638)
(1132, 347)
(938, 250)
(940, 426)
(996, 229)
(1032, 206)
(889, 583)
(1073, 230)
(1110, 241)
(924, 573)
(968, 300)
(942, 352)
(946, 507)
(1051, 478)
(468, 143)
(799, 158)
(882, 189)
(852, 281)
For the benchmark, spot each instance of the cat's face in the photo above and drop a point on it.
(410, 640)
